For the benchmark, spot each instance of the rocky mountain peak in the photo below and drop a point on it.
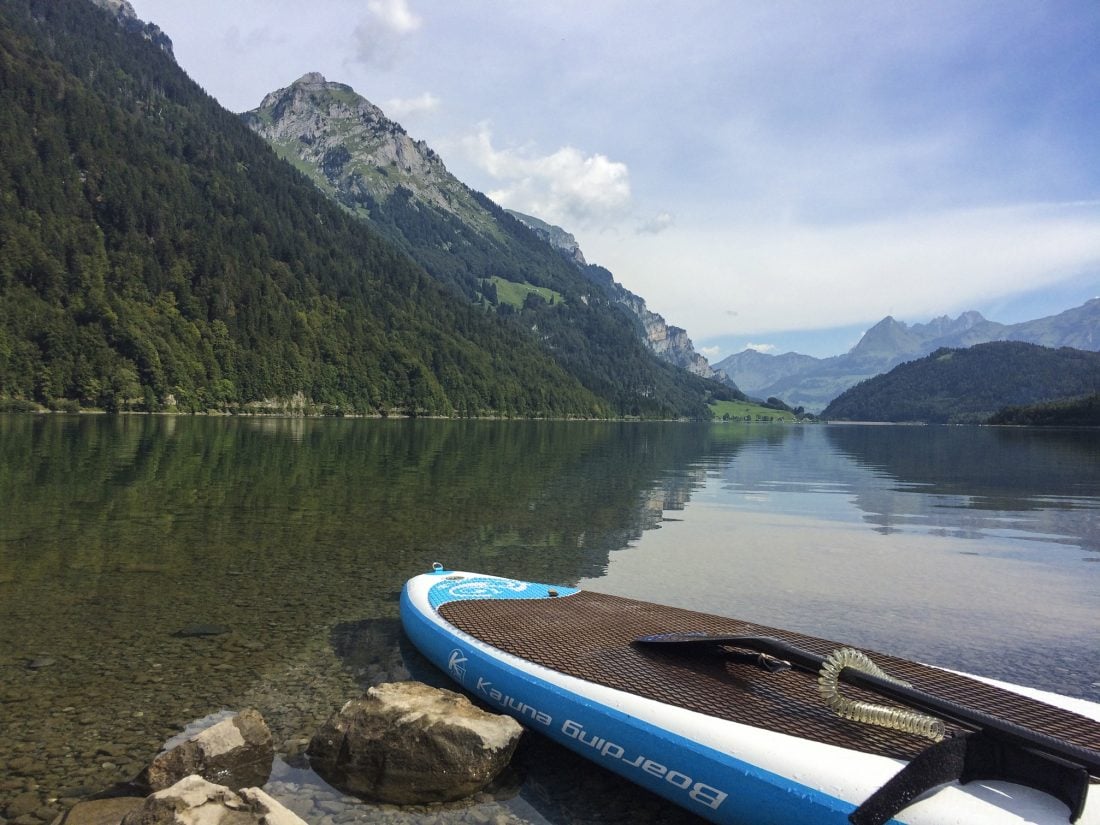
(311, 79)
(888, 335)
(352, 150)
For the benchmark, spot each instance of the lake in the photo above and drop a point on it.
(156, 570)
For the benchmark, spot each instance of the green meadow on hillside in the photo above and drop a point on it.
(509, 292)
(747, 411)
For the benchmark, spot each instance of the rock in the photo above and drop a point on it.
(22, 804)
(40, 662)
(235, 752)
(194, 801)
(408, 743)
(100, 811)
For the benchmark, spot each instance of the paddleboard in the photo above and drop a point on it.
(728, 734)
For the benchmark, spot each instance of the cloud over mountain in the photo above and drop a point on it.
(380, 36)
(398, 108)
(565, 186)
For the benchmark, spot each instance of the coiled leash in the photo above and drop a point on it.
(991, 748)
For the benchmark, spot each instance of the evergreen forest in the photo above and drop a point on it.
(1071, 412)
(968, 386)
(157, 255)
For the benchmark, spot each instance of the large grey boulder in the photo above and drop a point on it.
(235, 752)
(194, 801)
(408, 743)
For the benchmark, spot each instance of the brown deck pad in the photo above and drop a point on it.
(589, 635)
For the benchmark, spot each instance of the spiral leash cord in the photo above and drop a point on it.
(907, 721)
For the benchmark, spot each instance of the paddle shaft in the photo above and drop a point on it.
(909, 696)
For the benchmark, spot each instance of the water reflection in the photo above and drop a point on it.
(92, 495)
(969, 482)
(118, 531)
(914, 540)
(958, 482)
(297, 534)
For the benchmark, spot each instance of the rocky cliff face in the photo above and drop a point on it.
(670, 343)
(127, 18)
(354, 152)
(557, 237)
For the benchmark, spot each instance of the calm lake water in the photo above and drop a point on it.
(126, 542)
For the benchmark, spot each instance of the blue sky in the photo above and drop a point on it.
(776, 174)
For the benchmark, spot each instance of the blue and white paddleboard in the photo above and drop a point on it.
(723, 770)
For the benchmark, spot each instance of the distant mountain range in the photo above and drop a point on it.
(368, 163)
(802, 380)
(969, 385)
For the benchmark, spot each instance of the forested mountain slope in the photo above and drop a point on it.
(154, 253)
(970, 385)
(370, 165)
(669, 343)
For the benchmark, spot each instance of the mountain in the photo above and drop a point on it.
(1078, 327)
(970, 385)
(669, 343)
(126, 17)
(400, 186)
(813, 382)
(156, 254)
(557, 237)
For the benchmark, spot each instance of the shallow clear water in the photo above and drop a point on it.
(970, 548)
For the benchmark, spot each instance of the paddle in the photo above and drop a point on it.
(945, 709)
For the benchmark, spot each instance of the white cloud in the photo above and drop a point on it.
(378, 39)
(710, 353)
(747, 279)
(395, 15)
(765, 348)
(565, 187)
(398, 108)
(657, 224)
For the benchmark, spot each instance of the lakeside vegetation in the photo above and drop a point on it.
(748, 411)
(1070, 412)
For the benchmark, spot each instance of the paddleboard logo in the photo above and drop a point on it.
(699, 792)
(487, 589)
(515, 706)
(456, 665)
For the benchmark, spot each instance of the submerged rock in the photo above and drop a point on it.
(194, 801)
(235, 752)
(100, 811)
(408, 743)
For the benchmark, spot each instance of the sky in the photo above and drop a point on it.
(778, 175)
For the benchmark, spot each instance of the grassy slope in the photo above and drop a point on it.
(509, 292)
(740, 410)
